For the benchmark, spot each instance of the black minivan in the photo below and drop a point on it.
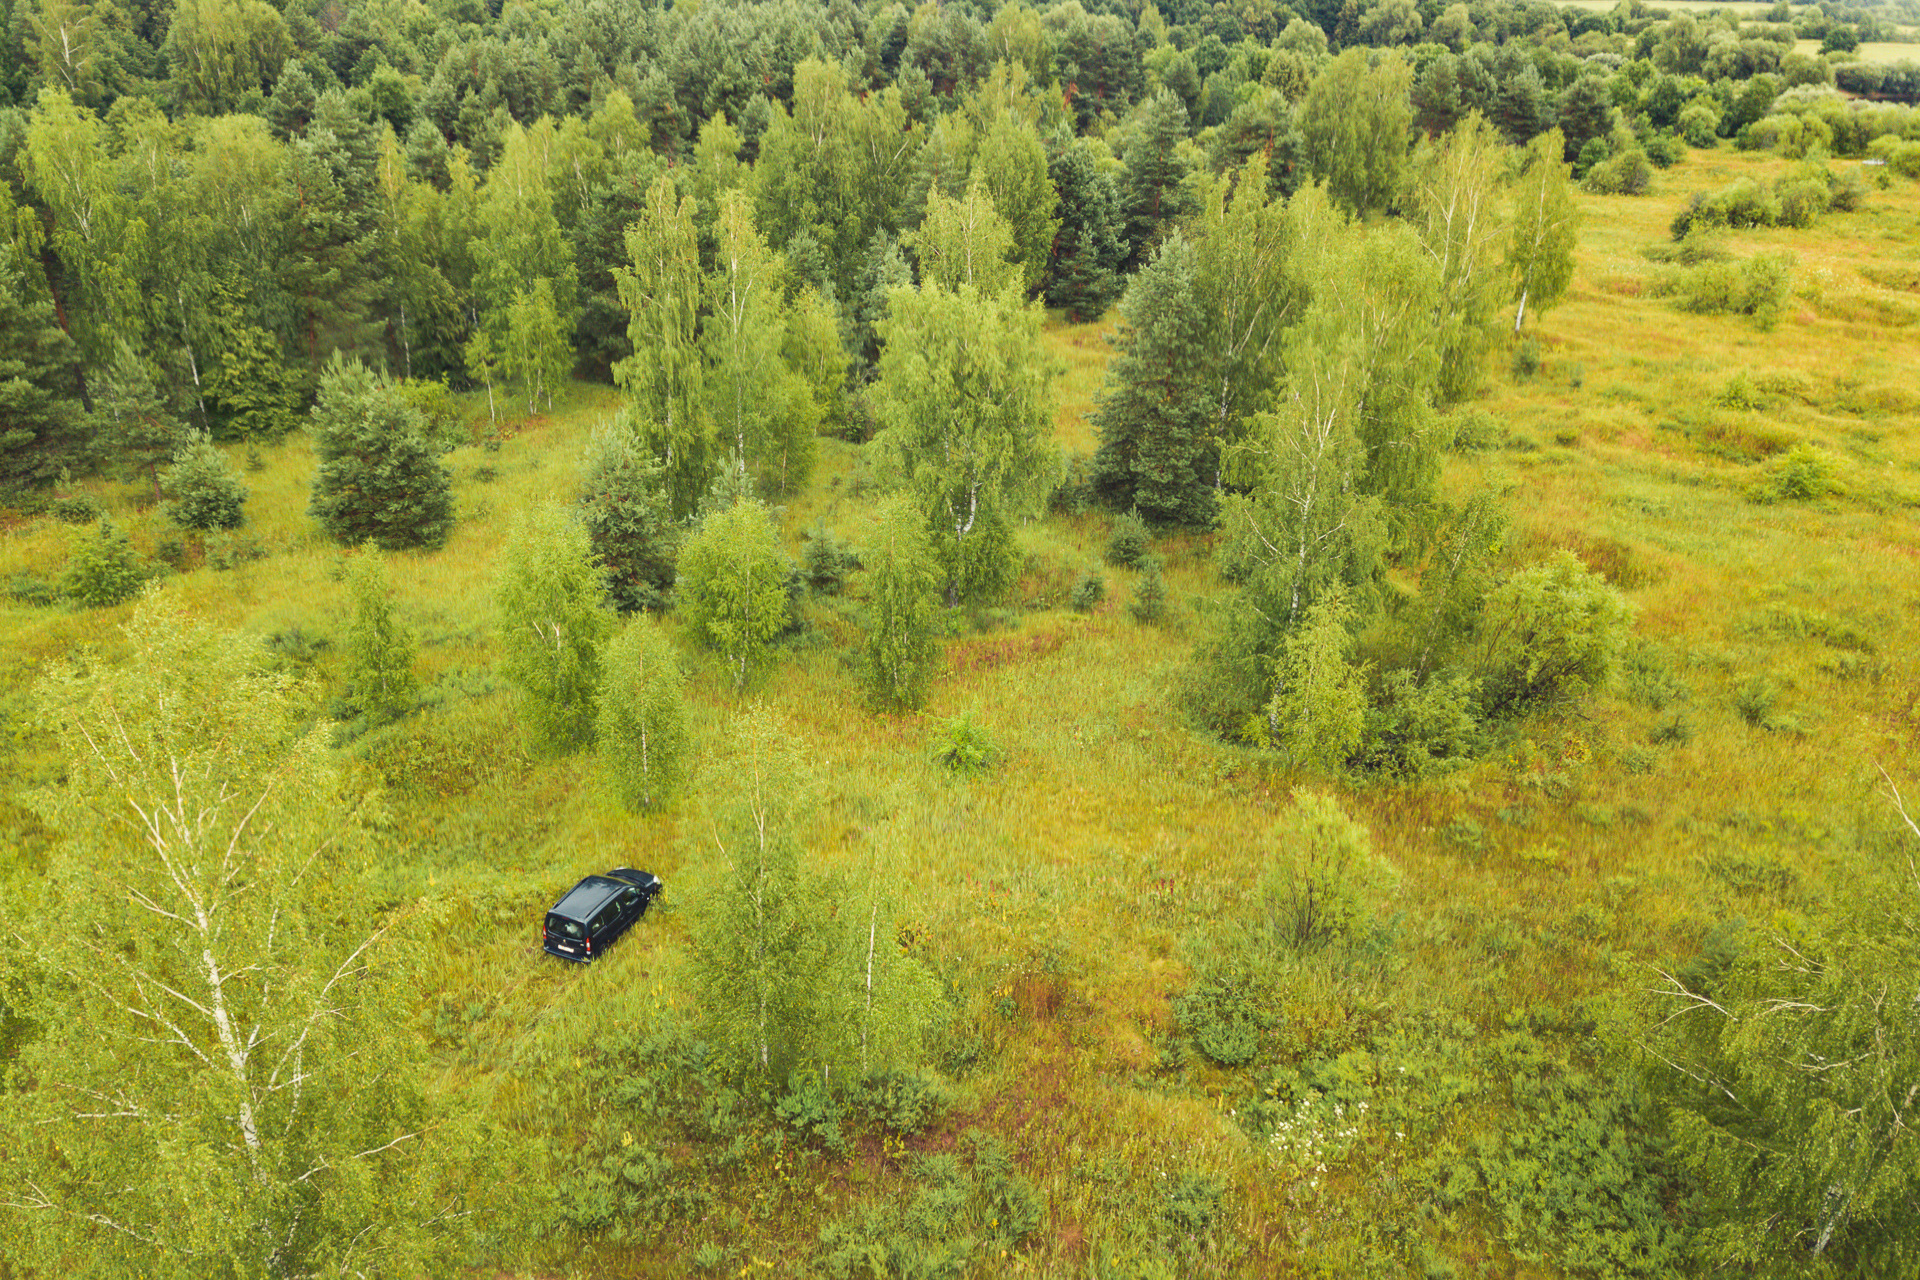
(599, 909)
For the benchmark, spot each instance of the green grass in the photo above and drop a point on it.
(1872, 50)
(1071, 895)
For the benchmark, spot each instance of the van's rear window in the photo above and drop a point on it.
(566, 928)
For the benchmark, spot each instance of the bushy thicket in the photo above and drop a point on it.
(1795, 199)
(1757, 287)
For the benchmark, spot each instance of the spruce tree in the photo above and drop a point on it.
(1154, 182)
(42, 429)
(380, 478)
(137, 427)
(104, 569)
(1154, 415)
(624, 505)
(1084, 274)
(202, 491)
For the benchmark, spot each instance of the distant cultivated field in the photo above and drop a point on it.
(1875, 50)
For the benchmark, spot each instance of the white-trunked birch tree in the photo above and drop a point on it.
(964, 394)
(221, 1081)
(797, 970)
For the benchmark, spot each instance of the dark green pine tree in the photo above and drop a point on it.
(1153, 184)
(136, 427)
(1585, 112)
(628, 514)
(329, 268)
(42, 426)
(380, 478)
(1083, 277)
(1157, 450)
(248, 392)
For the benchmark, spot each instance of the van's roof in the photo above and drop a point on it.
(587, 897)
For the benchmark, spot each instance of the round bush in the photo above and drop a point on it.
(104, 570)
(202, 491)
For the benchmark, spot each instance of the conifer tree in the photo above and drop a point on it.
(643, 731)
(42, 428)
(104, 568)
(624, 507)
(136, 426)
(380, 478)
(202, 491)
(1083, 276)
(1157, 452)
(1788, 1063)
(1154, 191)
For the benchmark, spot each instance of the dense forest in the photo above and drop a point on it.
(1253, 639)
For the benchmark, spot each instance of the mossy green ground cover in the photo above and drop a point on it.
(1392, 1093)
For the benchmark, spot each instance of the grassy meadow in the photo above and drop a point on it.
(1069, 898)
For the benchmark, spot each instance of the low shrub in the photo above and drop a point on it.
(1325, 884)
(1128, 540)
(104, 569)
(1627, 173)
(1757, 287)
(1416, 730)
(78, 508)
(963, 745)
(1550, 631)
(1089, 591)
(1149, 603)
(1801, 474)
(1223, 1020)
(202, 491)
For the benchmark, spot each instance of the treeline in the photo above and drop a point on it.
(203, 204)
